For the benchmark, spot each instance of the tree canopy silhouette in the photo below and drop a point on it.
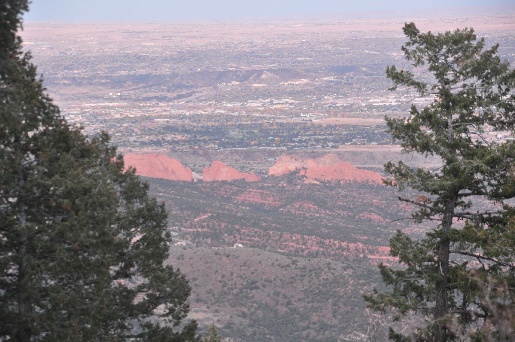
(444, 274)
(82, 245)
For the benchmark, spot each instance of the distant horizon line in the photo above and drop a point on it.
(480, 21)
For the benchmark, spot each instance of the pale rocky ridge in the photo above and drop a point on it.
(158, 166)
(218, 171)
(325, 168)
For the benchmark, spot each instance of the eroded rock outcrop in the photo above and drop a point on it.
(218, 171)
(158, 166)
(326, 168)
(286, 164)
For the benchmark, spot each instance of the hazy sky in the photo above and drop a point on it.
(186, 10)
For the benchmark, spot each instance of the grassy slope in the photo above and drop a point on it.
(310, 251)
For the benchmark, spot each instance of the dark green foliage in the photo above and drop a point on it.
(82, 245)
(446, 274)
(212, 335)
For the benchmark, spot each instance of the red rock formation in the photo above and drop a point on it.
(158, 166)
(286, 164)
(326, 168)
(218, 171)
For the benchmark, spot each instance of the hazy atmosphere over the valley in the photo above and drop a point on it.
(287, 170)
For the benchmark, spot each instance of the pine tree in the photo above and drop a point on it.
(469, 90)
(82, 246)
(212, 335)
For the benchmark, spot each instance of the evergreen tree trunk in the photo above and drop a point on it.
(442, 283)
(23, 333)
(443, 250)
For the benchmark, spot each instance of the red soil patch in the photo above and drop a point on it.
(259, 197)
(307, 209)
(305, 245)
(371, 217)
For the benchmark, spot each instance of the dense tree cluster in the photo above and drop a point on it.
(449, 276)
(82, 245)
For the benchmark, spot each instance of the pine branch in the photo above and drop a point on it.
(482, 216)
(481, 257)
